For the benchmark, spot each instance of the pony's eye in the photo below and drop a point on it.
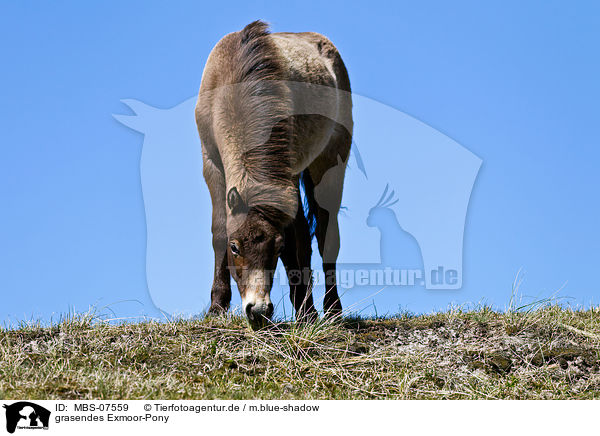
(235, 250)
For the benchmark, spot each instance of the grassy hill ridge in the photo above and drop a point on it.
(549, 353)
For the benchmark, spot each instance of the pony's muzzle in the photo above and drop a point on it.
(259, 313)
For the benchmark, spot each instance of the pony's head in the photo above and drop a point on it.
(253, 250)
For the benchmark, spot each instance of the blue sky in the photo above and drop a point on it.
(515, 83)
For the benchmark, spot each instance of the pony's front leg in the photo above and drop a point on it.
(220, 294)
(221, 287)
(296, 259)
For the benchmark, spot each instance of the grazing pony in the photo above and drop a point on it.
(274, 114)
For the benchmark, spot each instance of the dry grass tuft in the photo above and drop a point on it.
(545, 352)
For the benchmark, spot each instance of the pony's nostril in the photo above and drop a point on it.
(259, 313)
(249, 313)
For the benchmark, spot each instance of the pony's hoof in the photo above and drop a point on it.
(215, 309)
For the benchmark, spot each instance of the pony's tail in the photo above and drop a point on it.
(310, 204)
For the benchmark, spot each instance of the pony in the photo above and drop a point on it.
(274, 115)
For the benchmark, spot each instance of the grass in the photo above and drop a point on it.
(544, 352)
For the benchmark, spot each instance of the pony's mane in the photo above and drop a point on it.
(258, 58)
(252, 110)
(266, 104)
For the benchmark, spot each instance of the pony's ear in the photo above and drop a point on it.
(279, 242)
(234, 200)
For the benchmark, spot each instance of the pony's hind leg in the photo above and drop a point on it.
(327, 174)
(296, 257)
